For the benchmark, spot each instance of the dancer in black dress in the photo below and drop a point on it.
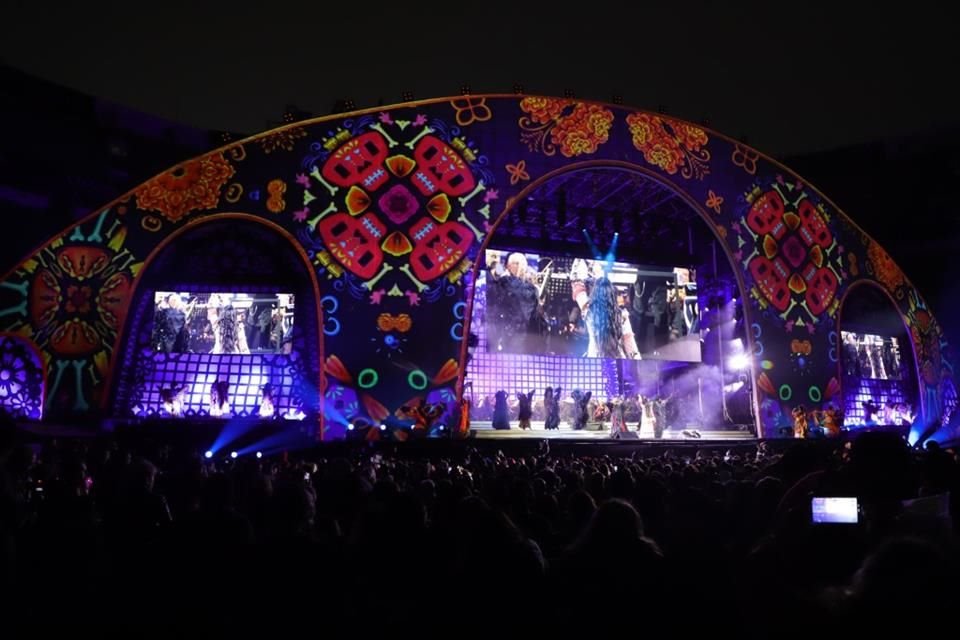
(551, 404)
(501, 413)
(526, 411)
(581, 402)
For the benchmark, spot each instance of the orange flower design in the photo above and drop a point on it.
(518, 172)
(470, 110)
(885, 269)
(714, 201)
(188, 187)
(745, 158)
(544, 110)
(664, 154)
(670, 144)
(577, 128)
(690, 136)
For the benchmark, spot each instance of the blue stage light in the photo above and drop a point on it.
(208, 454)
(233, 454)
(259, 454)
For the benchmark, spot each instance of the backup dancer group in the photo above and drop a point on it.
(650, 414)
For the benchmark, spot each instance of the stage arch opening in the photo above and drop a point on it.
(877, 365)
(673, 357)
(224, 323)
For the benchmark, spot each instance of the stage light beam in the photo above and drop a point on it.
(208, 454)
(739, 362)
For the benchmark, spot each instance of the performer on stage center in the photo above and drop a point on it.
(525, 410)
(551, 405)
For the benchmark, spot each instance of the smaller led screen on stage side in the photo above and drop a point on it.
(552, 305)
(222, 322)
(866, 355)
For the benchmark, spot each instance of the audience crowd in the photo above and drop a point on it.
(102, 534)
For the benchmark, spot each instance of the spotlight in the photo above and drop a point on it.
(233, 454)
(350, 426)
(739, 362)
(208, 455)
(259, 454)
(442, 427)
(383, 427)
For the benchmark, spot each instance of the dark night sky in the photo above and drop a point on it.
(798, 79)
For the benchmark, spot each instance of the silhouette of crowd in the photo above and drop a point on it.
(100, 534)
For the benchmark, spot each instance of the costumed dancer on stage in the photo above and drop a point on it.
(171, 401)
(463, 420)
(501, 412)
(832, 421)
(267, 407)
(551, 406)
(659, 416)
(617, 408)
(525, 411)
(581, 403)
(647, 425)
(219, 399)
(801, 425)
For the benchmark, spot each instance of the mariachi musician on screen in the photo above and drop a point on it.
(513, 302)
(170, 324)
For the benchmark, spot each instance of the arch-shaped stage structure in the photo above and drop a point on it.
(391, 207)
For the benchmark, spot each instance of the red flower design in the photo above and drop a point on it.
(188, 187)
(78, 299)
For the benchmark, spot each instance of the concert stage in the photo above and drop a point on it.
(483, 429)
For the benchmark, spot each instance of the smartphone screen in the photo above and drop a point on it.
(835, 511)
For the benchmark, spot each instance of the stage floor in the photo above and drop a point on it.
(484, 429)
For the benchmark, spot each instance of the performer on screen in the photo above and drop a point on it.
(513, 302)
(229, 334)
(608, 324)
(170, 325)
